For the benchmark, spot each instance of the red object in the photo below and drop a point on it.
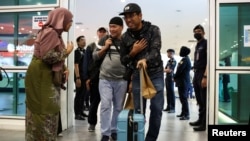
(40, 23)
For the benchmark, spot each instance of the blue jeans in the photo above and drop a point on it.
(112, 93)
(156, 103)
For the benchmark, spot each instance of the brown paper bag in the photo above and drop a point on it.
(148, 89)
(128, 101)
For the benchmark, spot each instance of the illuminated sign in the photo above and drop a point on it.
(38, 21)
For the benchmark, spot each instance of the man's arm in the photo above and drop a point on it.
(154, 54)
(204, 79)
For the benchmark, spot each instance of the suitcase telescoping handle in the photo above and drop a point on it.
(141, 95)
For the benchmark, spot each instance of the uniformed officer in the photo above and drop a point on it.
(169, 81)
(200, 77)
(79, 79)
(182, 80)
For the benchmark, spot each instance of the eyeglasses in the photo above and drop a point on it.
(129, 16)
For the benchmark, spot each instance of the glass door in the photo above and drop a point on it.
(232, 63)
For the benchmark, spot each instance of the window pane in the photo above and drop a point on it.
(12, 97)
(234, 98)
(26, 2)
(17, 37)
(233, 19)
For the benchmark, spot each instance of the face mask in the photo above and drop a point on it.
(197, 36)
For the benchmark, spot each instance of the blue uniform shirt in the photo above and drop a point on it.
(171, 65)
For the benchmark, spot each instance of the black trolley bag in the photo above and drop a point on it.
(131, 125)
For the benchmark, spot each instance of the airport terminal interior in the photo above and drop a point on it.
(227, 27)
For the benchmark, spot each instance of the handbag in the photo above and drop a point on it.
(128, 101)
(59, 78)
(148, 89)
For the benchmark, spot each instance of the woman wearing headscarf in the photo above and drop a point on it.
(42, 86)
(182, 81)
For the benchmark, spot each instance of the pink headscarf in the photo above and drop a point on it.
(49, 37)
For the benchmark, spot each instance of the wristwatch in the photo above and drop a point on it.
(78, 77)
(204, 76)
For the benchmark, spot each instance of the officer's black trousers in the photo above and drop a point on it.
(201, 95)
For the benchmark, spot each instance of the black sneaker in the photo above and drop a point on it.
(91, 128)
(195, 123)
(167, 109)
(79, 117)
(105, 138)
(114, 136)
(199, 128)
(184, 118)
(84, 114)
(171, 111)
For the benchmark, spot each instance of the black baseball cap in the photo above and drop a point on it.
(131, 8)
(102, 29)
(116, 20)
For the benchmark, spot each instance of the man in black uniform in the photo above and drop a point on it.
(169, 82)
(79, 79)
(200, 76)
(225, 81)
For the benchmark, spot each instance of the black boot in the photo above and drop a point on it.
(195, 123)
(200, 128)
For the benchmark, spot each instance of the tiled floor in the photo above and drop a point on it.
(172, 129)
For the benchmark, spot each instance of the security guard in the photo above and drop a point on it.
(200, 76)
(169, 82)
(79, 79)
(182, 80)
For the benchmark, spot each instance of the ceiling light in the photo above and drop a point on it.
(79, 23)
(192, 41)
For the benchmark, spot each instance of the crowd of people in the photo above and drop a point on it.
(105, 70)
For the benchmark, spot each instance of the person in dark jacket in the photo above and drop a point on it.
(92, 75)
(140, 47)
(182, 79)
(225, 81)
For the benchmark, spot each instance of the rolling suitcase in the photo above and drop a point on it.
(131, 125)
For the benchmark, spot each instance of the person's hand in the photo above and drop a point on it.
(66, 74)
(138, 46)
(108, 42)
(142, 63)
(204, 82)
(78, 83)
(88, 84)
(130, 87)
(70, 47)
(168, 70)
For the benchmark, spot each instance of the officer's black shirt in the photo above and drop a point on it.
(200, 55)
(79, 56)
